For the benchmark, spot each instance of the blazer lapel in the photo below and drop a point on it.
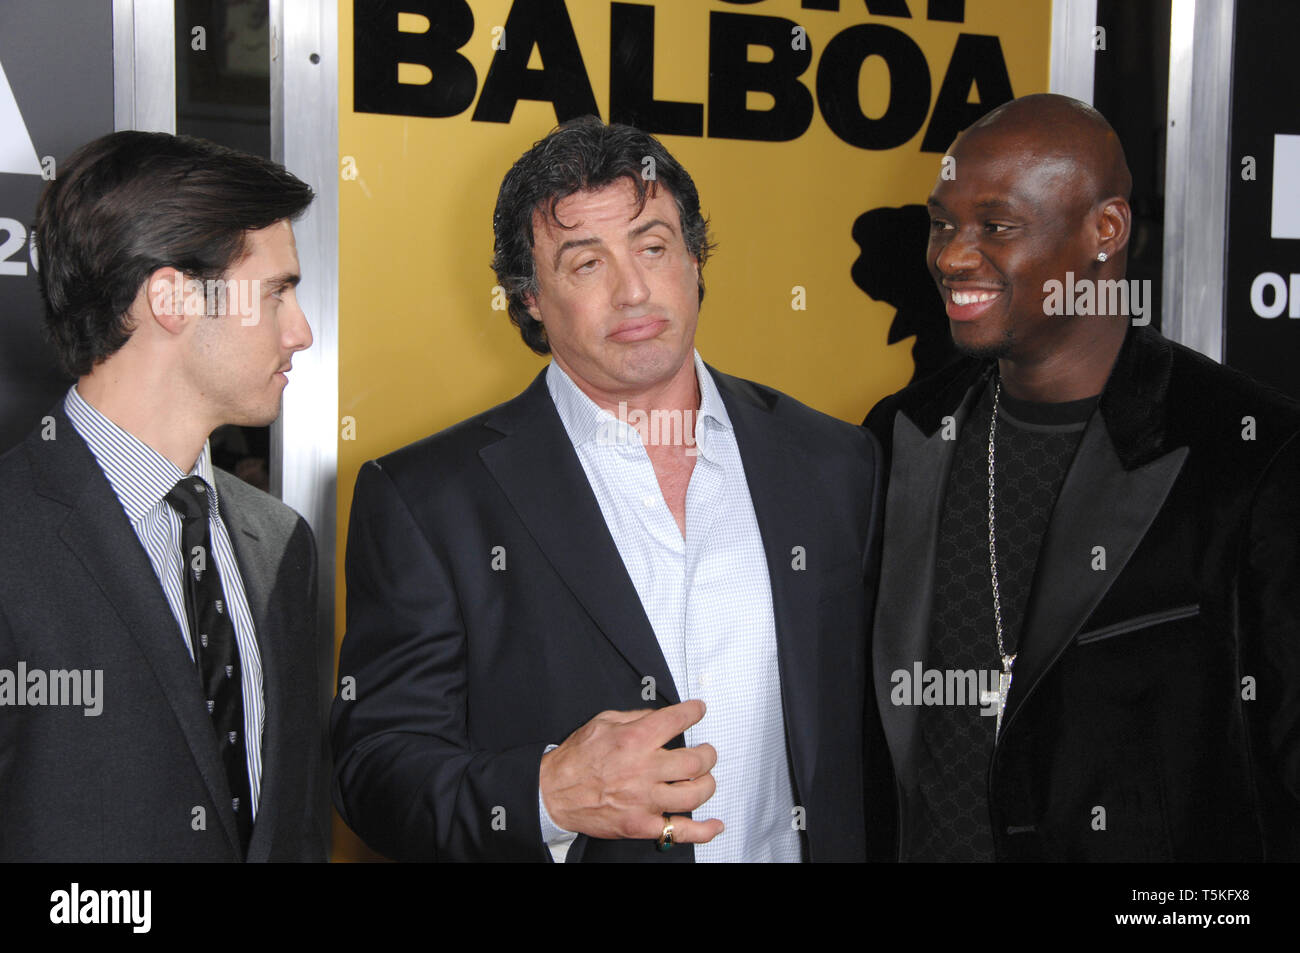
(1100, 505)
(1121, 475)
(99, 534)
(776, 474)
(918, 480)
(536, 467)
(257, 570)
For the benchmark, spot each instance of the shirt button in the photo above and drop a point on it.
(648, 500)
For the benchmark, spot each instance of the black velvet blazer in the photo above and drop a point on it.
(1155, 709)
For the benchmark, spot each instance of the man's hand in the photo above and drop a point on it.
(613, 778)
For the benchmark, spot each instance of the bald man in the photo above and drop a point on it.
(1088, 625)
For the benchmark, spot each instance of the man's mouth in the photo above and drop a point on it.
(638, 329)
(967, 305)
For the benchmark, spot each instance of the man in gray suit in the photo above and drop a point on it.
(159, 693)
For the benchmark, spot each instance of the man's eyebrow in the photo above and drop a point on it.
(584, 242)
(989, 203)
(572, 243)
(642, 229)
(285, 279)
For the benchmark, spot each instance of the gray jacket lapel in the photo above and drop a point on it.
(257, 569)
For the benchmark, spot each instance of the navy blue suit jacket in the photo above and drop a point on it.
(462, 674)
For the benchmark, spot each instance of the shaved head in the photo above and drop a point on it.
(1049, 128)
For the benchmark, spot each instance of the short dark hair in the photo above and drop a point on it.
(132, 202)
(578, 156)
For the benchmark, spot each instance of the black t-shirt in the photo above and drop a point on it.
(948, 820)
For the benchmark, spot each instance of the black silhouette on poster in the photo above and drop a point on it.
(891, 267)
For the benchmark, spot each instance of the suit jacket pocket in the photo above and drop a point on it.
(1145, 621)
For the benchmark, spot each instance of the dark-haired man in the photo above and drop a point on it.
(636, 591)
(1087, 641)
(158, 683)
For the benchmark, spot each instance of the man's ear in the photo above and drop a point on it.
(530, 302)
(170, 299)
(1114, 221)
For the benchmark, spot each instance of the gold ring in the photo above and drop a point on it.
(665, 841)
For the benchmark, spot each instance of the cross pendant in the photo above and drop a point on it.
(1004, 688)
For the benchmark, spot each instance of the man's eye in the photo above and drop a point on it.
(997, 227)
(938, 225)
(588, 265)
(278, 295)
(655, 250)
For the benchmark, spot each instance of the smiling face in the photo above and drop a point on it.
(1015, 216)
(617, 291)
(237, 362)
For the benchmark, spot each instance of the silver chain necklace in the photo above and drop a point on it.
(1004, 677)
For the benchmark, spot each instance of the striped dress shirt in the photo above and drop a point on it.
(709, 600)
(141, 477)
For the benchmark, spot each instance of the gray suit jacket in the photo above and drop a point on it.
(142, 779)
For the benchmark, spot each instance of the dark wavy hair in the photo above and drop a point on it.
(132, 202)
(578, 156)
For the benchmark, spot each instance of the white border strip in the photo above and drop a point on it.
(304, 138)
(1196, 173)
(1073, 58)
(144, 65)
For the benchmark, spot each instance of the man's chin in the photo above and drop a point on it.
(985, 347)
(651, 366)
(260, 417)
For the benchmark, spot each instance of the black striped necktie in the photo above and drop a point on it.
(212, 636)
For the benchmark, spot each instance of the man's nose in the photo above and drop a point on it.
(297, 331)
(630, 287)
(959, 254)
